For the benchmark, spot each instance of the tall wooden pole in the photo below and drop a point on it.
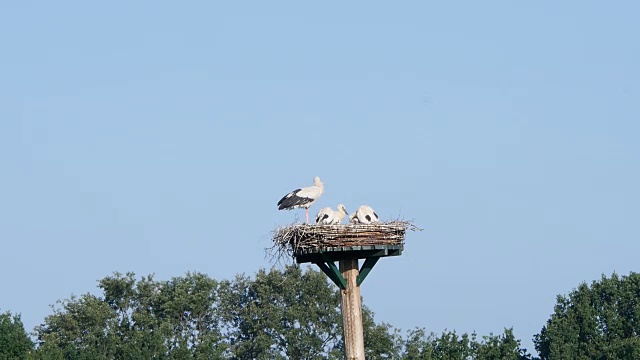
(352, 312)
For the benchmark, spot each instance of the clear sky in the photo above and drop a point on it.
(157, 137)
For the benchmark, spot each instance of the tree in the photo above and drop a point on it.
(286, 314)
(451, 346)
(172, 319)
(14, 341)
(381, 341)
(601, 321)
(280, 315)
(503, 347)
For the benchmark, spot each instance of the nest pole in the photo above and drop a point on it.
(324, 245)
(352, 311)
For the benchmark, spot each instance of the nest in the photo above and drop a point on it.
(297, 238)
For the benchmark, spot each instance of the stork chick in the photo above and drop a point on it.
(364, 215)
(328, 216)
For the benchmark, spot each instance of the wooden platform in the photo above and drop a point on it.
(315, 255)
(324, 245)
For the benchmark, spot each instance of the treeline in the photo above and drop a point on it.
(290, 314)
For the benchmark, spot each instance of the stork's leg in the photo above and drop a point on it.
(306, 213)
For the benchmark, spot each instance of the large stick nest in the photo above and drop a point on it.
(295, 238)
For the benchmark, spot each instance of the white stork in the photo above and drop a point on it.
(302, 198)
(328, 216)
(364, 215)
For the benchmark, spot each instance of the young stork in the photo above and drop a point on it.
(364, 215)
(302, 198)
(328, 216)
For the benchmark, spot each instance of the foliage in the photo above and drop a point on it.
(14, 341)
(148, 319)
(601, 321)
(381, 341)
(277, 314)
(451, 346)
(504, 346)
(281, 315)
(291, 314)
(286, 314)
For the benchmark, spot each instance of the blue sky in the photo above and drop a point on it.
(157, 138)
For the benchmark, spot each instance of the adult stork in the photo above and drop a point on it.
(302, 198)
(328, 216)
(364, 215)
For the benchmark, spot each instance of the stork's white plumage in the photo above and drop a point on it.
(302, 198)
(328, 216)
(364, 215)
(353, 219)
(325, 215)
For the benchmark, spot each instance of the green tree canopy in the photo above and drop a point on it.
(280, 315)
(452, 346)
(143, 319)
(286, 314)
(14, 341)
(601, 321)
(277, 314)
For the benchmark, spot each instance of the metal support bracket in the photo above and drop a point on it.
(330, 269)
(366, 268)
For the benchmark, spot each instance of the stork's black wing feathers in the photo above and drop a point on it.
(288, 196)
(292, 200)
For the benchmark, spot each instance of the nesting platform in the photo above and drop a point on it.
(325, 244)
(346, 252)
